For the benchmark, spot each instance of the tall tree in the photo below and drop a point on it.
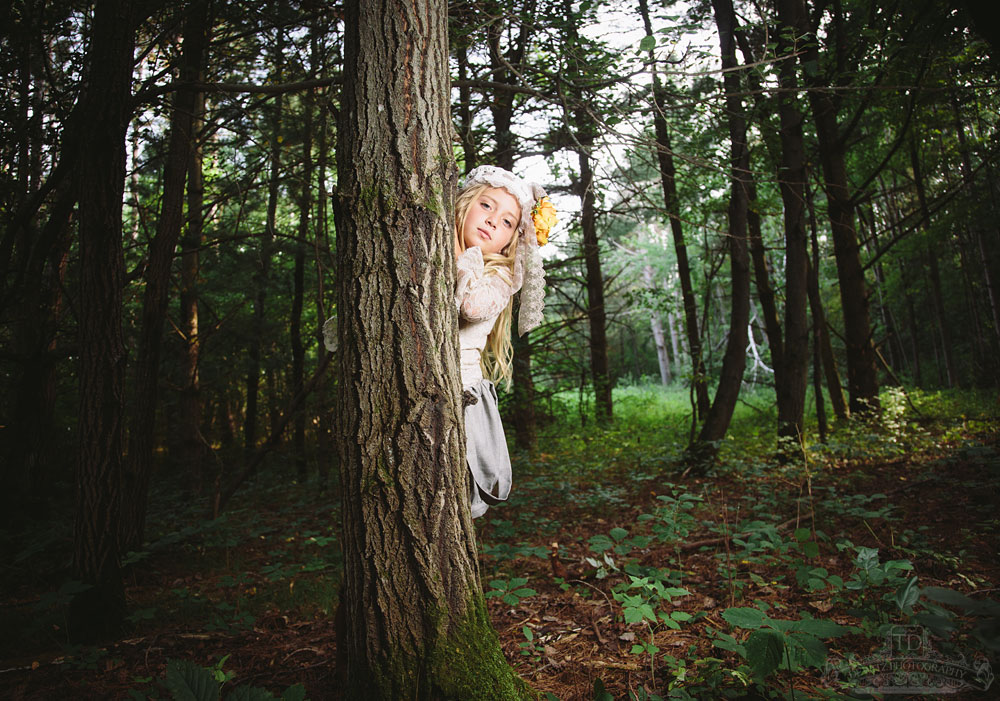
(191, 444)
(100, 182)
(862, 377)
(704, 447)
(262, 255)
(584, 137)
(298, 292)
(422, 632)
(505, 68)
(158, 266)
(791, 182)
(671, 202)
(937, 298)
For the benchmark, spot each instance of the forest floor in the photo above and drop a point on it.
(610, 574)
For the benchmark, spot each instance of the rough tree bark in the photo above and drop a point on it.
(100, 183)
(421, 631)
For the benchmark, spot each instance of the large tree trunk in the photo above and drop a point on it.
(668, 176)
(862, 376)
(100, 183)
(154, 306)
(421, 631)
(705, 447)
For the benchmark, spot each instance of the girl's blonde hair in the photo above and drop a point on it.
(497, 360)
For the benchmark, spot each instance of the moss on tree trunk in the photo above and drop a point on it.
(412, 622)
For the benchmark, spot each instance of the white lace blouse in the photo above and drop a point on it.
(479, 298)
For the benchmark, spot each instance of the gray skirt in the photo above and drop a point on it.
(486, 449)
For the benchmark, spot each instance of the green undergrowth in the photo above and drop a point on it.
(810, 564)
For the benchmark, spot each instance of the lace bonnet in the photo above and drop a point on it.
(529, 275)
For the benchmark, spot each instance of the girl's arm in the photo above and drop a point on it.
(479, 295)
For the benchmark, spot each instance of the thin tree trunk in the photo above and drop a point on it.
(668, 175)
(324, 429)
(832, 374)
(100, 183)
(791, 183)
(298, 348)
(705, 447)
(862, 375)
(657, 328)
(817, 373)
(915, 332)
(890, 211)
(262, 262)
(27, 439)
(977, 234)
(465, 133)
(157, 287)
(596, 312)
(502, 112)
(191, 442)
(422, 632)
(675, 343)
(525, 420)
(944, 328)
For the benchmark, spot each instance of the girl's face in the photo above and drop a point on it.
(491, 221)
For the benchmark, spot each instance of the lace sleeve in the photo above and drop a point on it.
(479, 296)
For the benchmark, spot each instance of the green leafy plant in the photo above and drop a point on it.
(618, 541)
(187, 681)
(510, 591)
(674, 520)
(778, 643)
(641, 597)
(506, 551)
(529, 647)
(876, 583)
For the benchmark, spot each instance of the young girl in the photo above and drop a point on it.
(500, 220)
